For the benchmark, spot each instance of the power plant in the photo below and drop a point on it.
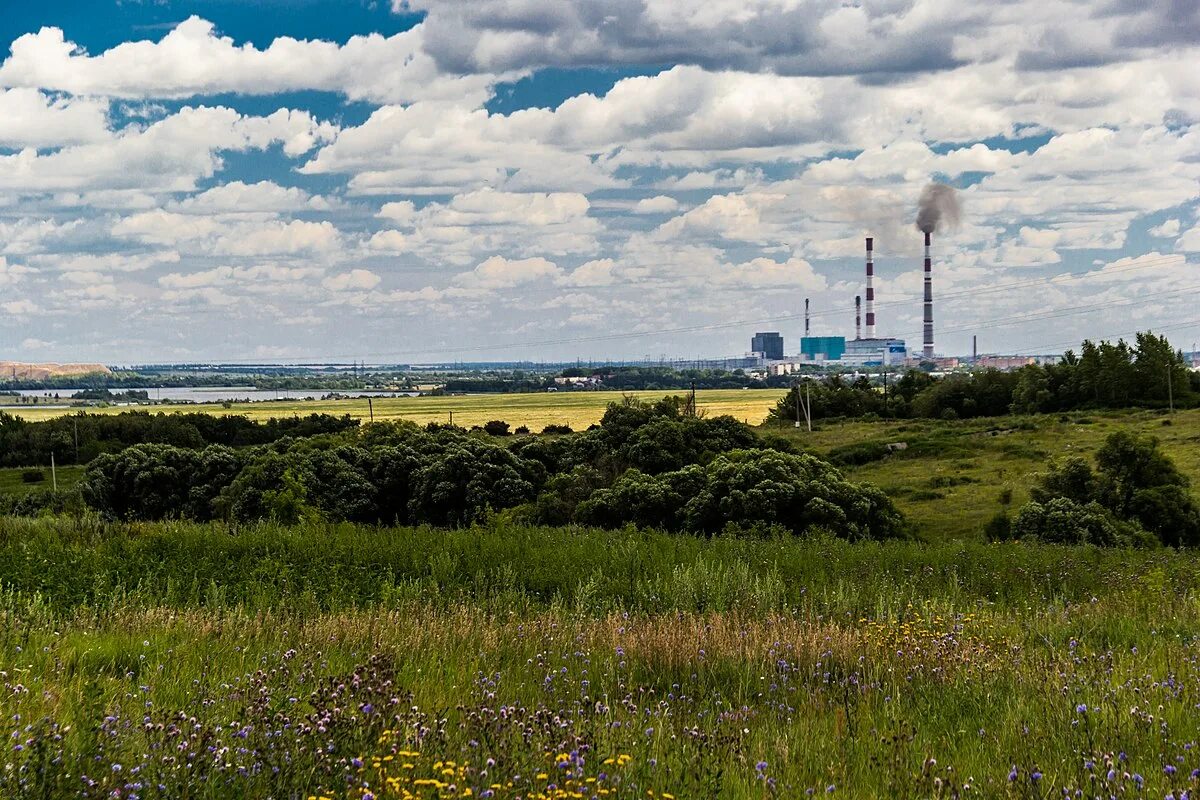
(938, 205)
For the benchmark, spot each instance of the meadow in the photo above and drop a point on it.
(163, 660)
(334, 661)
(578, 409)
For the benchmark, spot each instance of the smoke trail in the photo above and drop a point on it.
(938, 208)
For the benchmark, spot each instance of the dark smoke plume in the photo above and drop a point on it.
(939, 208)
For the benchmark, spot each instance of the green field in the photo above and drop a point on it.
(12, 483)
(577, 409)
(344, 662)
(332, 660)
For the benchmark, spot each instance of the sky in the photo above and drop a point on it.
(437, 180)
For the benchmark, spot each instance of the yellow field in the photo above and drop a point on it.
(577, 409)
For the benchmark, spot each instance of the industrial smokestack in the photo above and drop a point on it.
(974, 348)
(928, 351)
(858, 316)
(870, 288)
(938, 207)
(806, 317)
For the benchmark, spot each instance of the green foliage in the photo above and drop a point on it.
(496, 427)
(796, 492)
(1064, 521)
(858, 453)
(1134, 485)
(79, 438)
(159, 481)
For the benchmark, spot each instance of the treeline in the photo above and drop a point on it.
(157, 380)
(1106, 375)
(626, 379)
(79, 438)
(646, 465)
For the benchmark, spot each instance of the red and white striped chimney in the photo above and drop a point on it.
(928, 351)
(858, 316)
(870, 288)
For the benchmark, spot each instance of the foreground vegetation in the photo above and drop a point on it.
(189, 660)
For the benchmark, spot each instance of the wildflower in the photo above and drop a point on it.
(1081, 708)
(1035, 776)
(1012, 774)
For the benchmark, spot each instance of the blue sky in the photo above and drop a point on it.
(500, 179)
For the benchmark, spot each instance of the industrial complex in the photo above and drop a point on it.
(866, 349)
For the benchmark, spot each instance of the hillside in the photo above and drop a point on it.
(17, 370)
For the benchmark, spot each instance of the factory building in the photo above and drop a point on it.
(769, 345)
(875, 352)
(822, 348)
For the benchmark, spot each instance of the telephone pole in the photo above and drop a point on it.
(1171, 387)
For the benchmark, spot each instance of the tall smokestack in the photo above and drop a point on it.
(974, 348)
(870, 288)
(806, 317)
(928, 352)
(858, 316)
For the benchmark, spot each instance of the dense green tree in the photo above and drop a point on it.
(1063, 521)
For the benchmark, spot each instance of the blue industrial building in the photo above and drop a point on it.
(822, 348)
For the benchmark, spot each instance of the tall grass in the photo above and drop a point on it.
(503, 566)
(181, 660)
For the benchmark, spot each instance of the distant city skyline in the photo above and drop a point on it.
(430, 180)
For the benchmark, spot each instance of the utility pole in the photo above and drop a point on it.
(808, 406)
(1171, 387)
(797, 424)
(371, 409)
(76, 421)
(53, 473)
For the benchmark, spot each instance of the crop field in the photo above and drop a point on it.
(534, 410)
(331, 661)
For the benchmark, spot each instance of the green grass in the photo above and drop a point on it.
(12, 483)
(884, 670)
(535, 410)
(993, 455)
(703, 668)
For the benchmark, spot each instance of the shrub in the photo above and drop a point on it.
(556, 430)
(999, 528)
(496, 427)
(745, 488)
(1064, 521)
(855, 455)
(522, 430)
(33, 476)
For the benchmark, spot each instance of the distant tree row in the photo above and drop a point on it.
(79, 438)
(1106, 375)
(644, 464)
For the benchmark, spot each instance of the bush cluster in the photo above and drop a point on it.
(1134, 495)
(646, 465)
(79, 438)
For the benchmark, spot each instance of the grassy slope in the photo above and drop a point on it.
(12, 483)
(536, 410)
(993, 454)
